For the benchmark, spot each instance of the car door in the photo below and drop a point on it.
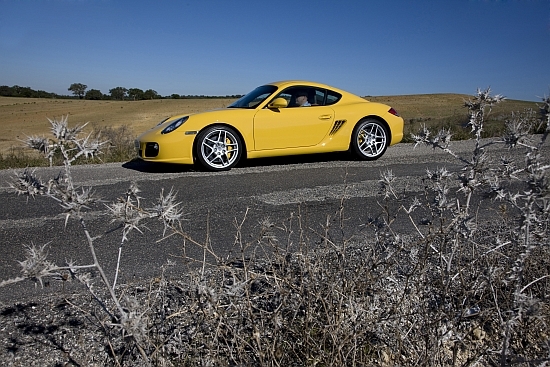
(291, 127)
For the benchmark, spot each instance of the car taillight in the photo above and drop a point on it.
(393, 112)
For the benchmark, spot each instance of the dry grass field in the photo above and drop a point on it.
(447, 110)
(29, 116)
(20, 117)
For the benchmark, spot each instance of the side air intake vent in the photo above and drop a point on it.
(337, 125)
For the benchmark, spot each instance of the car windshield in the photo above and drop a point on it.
(254, 98)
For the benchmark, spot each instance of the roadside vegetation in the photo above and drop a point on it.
(446, 111)
(118, 147)
(458, 289)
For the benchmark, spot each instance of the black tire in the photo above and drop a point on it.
(370, 139)
(218, 148)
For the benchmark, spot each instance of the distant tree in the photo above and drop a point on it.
(78, 89)
(94, 94)
(25, 92)
(6, 91)
(43, 94)
(17, 91)
(150, 94)
(175, 96)
(135, 94)
(118, 93)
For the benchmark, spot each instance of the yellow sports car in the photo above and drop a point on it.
(283, 118)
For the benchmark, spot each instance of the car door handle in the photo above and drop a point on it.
(325, 117)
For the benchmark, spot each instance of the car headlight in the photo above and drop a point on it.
(174, 125)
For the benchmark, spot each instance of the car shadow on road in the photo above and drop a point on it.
(298, 159)
(156, 167)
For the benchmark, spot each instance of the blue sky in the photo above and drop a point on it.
(221, 47)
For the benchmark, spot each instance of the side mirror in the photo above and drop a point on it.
(278, 103)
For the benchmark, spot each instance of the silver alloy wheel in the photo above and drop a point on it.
(219, 149)
(370, 139)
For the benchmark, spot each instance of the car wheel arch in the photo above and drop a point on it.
(375, 117)
(370, 138)
(224, 124)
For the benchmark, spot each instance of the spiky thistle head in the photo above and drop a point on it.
(479, 107)
(483, 99)
(61, 131)
(36, 266)
(39, 143)
(167, 209)
(128, 212)
(27, 183)
(74, 201)
(89, 146)
(517, 127)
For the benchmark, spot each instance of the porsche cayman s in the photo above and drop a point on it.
(276, 119)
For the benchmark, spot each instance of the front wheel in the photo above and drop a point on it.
(370, 139)
(218, 148)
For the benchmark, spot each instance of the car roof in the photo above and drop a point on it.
(288, 83)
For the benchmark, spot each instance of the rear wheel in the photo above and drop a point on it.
(370, 139)
(219, 148)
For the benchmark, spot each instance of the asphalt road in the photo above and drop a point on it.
(295, 192)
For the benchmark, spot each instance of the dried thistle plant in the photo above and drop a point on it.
(447, 285)
(510, 254)
(75, 202)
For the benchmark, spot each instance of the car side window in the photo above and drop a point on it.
(319, 97)
(295, 96)
(315, 96)
(256, 101)
(332, 97)
(286, 96)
